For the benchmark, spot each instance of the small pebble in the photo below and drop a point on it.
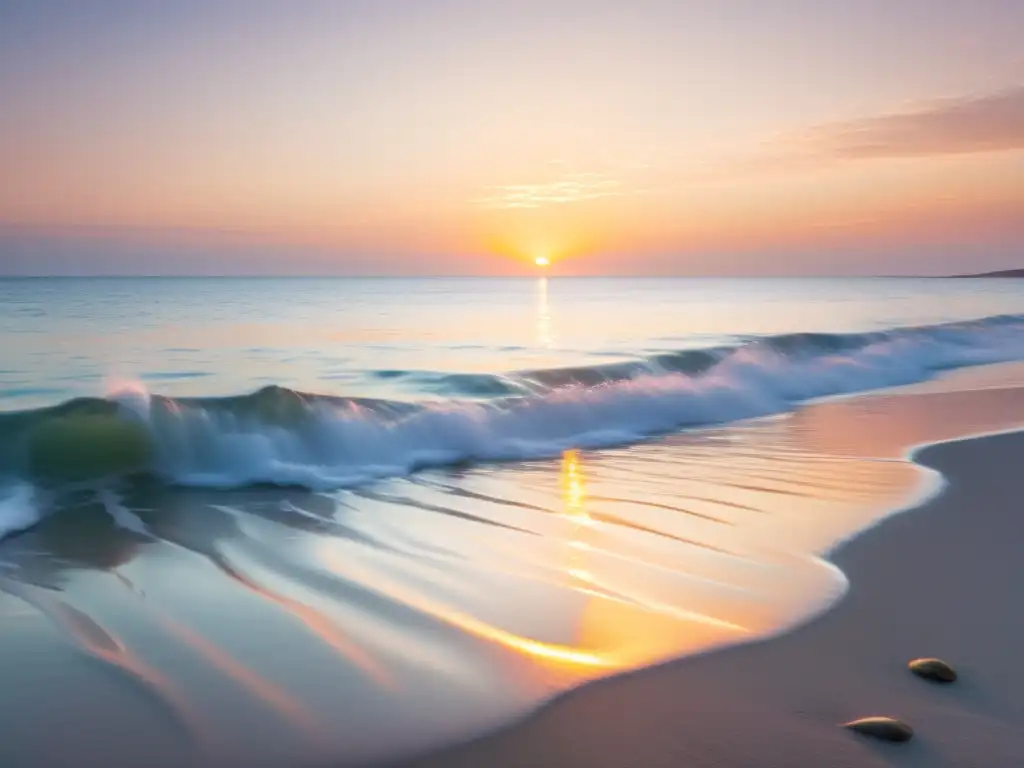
(885, 728)
(933, 669)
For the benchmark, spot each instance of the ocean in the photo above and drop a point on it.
(283, 521)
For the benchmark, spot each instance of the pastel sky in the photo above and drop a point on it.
(471, 136)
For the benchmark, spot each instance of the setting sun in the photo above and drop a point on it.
(542, 261)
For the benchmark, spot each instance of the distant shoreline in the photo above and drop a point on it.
(1000, 273)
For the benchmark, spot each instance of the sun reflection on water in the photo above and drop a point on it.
(544, 335)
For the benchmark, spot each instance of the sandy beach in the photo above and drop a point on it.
(941, 580)
(509, 384)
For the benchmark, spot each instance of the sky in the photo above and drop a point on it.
(641, 137)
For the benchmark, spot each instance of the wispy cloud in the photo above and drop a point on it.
(568, 188)
(969, 124)
(991, 122)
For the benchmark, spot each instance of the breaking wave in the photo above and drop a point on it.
(280, 436)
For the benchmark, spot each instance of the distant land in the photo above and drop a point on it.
(1001, 273)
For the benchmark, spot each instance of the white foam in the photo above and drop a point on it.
(341, 444)
(18, 508)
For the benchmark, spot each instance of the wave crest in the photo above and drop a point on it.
(281, 436)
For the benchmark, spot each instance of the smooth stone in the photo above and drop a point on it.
(886, 728)
(933, 669)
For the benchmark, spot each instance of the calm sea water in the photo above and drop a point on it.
(286, 521)
(63, 338)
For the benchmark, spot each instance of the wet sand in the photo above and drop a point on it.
(943, 580)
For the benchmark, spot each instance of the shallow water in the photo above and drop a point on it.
(454, 498)
(389, 338)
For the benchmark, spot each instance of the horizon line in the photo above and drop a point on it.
(329, 276)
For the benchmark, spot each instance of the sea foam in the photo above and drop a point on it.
(18, 508)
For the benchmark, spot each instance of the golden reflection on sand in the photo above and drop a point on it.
(616, 623)
(556, 653)
(573, 492)
(785, 492)
(695, 541)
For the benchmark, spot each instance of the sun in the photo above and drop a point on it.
(542, 261)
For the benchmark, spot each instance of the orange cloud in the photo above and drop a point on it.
(971, 124)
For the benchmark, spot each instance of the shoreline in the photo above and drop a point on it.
(779, 698)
